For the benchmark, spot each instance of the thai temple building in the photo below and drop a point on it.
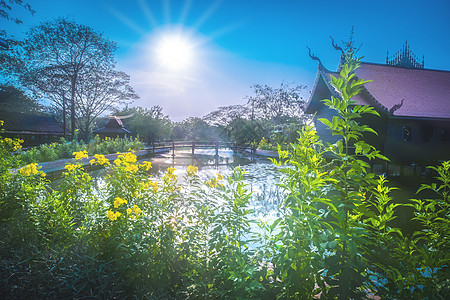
(414, 104)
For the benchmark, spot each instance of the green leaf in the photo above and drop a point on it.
(326, 122)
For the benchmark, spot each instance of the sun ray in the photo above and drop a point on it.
(148, 13)
(127, 21)
(166, 11)
(185, 11)
(207, 14)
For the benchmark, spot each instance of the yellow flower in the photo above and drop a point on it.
(169, 176)
(28, 170)
(219, 177)
(71, 167)
(191, 170)
(129, 157)
(136, 209)
(212, 183)
(152, 184)
(131, 168)
(112, 215)
(118, 202)
(1, 123)
(92, 161)
(80, 154)
(146, 165)
(129, 211)
(101, 159)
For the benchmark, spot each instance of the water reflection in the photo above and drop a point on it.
(262, 176)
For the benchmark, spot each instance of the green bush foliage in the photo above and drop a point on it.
(136, 236)
(64, 149)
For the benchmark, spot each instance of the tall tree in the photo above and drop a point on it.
(101, 89)
(9, 46)
(13, 99)
(61, 55)
(274, 103)
(225, 114)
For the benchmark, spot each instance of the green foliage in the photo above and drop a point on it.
(243, 131)
(150, 124)
(64, 149)
(195, 129)
(335, 235)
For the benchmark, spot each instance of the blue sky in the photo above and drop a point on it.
(236, 44)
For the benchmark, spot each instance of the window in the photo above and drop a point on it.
(407, 133)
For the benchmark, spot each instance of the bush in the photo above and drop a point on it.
(64, 149)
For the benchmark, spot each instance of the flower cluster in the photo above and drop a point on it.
(150, 184)
(128, 160)
(119, 201)
(136, 210)
(71, 167)
(191, 170)
(14, 144)
(101, 160)
(113, 215)
(170, 176)
(125, 158)
(30, 169)
(146, 165)
(80, 154)
(214, 182)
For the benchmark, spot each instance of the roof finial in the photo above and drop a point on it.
(342, 61)
(335, 45)
(313, 57)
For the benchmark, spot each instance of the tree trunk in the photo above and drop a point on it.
(72, 105)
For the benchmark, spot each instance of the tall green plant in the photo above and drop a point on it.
(336, 212)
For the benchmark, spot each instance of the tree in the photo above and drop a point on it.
(226, 114)
(150, 124)
(273, 103)
(66, 60)
(9, 46)
(7, 5)
(13, 99)
(101, 89)
(242, 131)
(195, 129)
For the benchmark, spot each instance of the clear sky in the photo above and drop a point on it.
(223, 47)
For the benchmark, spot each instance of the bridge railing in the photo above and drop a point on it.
(172, 145)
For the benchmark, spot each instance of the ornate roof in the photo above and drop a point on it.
(405, 58)
(394, 91)
(114, 125)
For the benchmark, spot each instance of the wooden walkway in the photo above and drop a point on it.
(177, 145)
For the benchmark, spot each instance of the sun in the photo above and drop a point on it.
(175, 52)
